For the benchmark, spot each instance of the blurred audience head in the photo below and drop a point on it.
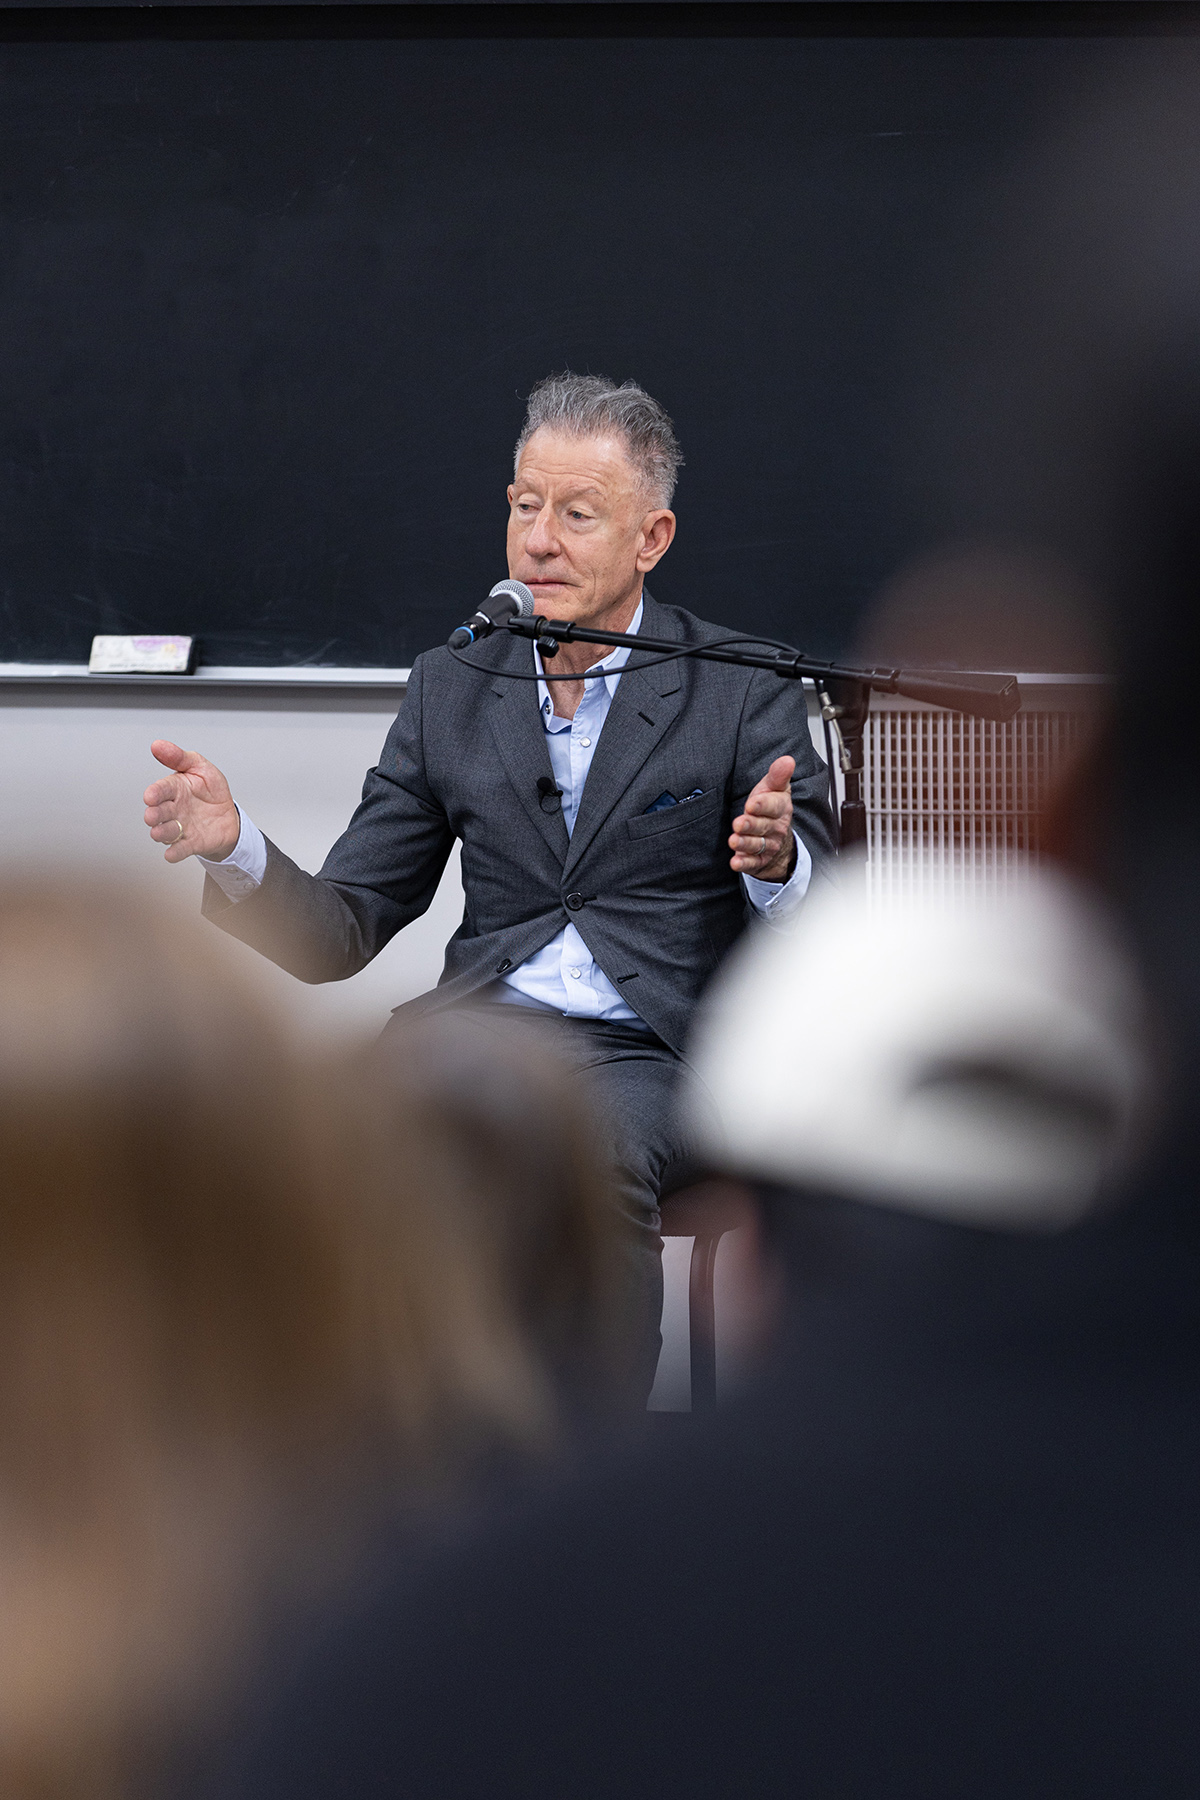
(1068, 432)
(483, 1117)
(245, 1312)
(978, 1060)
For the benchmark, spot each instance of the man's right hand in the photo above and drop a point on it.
(195, 801)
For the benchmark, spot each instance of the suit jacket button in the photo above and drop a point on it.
(502, 968)
(574, 902)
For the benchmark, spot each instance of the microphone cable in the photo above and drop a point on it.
(650, 660)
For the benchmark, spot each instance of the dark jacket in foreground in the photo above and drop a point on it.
(651, 894)
(950, 1552)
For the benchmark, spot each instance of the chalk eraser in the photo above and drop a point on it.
(141, 656)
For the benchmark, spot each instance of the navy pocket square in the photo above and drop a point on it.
(665, 799)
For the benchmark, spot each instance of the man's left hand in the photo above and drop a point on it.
(762, 839)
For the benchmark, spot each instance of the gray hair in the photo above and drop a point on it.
(594, 406)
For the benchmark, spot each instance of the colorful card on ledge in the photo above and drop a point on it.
(141, 656)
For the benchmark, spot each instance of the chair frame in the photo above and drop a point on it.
(703, 1212)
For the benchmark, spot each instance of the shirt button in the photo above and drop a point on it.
(577, 973)
(586, 742)
(573, 902)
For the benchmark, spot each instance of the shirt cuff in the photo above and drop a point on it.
(777, 900)
(243, 869)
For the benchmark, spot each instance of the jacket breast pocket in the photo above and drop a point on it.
(676, 818)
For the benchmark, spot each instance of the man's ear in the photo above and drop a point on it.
(658, 529)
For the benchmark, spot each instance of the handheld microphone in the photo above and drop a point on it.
(507, 600)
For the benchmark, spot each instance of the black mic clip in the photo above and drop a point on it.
(549, 796)
(789, 664)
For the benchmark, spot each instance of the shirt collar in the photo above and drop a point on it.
(612, 664)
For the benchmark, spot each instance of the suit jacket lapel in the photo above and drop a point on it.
(645, 703)
(521, 741)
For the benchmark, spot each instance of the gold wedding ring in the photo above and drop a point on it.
(180, 838)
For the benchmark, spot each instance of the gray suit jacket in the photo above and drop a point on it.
(651, 894)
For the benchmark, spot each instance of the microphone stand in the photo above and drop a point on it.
(845, 705)
(844, 692)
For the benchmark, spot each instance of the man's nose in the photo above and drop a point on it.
(543, 537)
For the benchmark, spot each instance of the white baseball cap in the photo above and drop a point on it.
(977, 1060)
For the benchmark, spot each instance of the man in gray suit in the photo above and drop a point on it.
(596, 801)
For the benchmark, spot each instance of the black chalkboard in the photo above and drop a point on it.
(268, 306)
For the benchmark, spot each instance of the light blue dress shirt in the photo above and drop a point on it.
(564, 976)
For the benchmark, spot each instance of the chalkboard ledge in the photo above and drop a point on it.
(1039, 690)
(76, 674)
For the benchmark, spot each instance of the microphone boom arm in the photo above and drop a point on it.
(982, 696)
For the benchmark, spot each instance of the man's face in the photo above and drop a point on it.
(580, 534)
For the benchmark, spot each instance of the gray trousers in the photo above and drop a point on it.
(631, 1079)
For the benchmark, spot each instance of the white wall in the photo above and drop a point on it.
(74, 764)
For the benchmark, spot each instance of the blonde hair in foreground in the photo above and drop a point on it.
(230, 1330)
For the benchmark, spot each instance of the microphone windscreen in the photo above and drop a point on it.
(519, 593)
